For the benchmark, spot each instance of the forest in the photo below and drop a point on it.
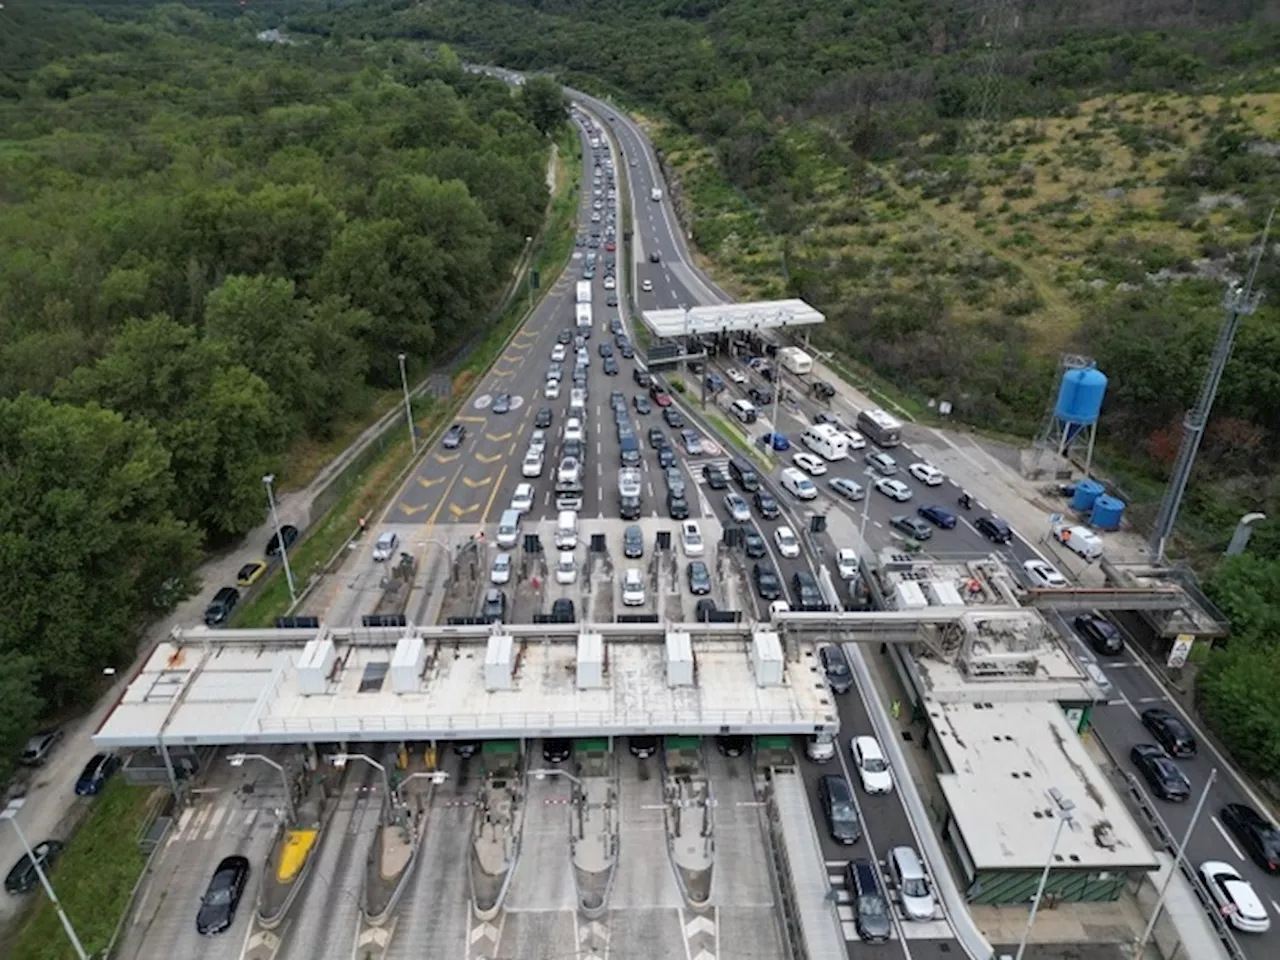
(212, 246)
(968, 191)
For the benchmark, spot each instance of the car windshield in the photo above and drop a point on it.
(915, 887)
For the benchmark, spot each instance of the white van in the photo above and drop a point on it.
(798, 485)
(826, 441)
(744, 410)
(509, 528)
(566, 530)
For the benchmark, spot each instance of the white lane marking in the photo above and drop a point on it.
(1227, 837)
(1275, 906)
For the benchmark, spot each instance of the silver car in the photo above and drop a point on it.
(385, 546)
(737, 507)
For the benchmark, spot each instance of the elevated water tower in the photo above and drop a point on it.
(1073, 414)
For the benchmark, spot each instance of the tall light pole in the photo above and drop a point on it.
(238, 759)
(1141, 946)
(543, 773)
(10, 813)
(528, 244)
(1066, 818)
(866, 505)
(269, 479)
(408, 407)
(340, 760)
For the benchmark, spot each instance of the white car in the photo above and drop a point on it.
(893, 489)
(1235, 897)
(558, 353)
(632, 588)
(787, 543)
(691, 538)
(873, 769)
(1079, 540)
(1042, 574)
(847, 563)
(522, 499)
(736, 375)
(810, 464)
(737, 507)
(552, 390)
(570, 471)
(532, 465)
(573, 430)
(646, 286)
(500, 572)
(566, 568)
(385, 546)
(856, 440)
(538, 441)
(927, 474)
(610, 283)
(778, 606)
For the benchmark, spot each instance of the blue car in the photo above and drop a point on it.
(938, 516)
(96, 773)
(778, 441)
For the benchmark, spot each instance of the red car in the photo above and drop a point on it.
(660, 396)
(611, 246)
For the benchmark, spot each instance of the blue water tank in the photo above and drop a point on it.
(1080, 396)
(1107, 513)
(1087, 491)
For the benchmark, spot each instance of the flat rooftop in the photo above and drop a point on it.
(983, 582)
(239, 692)
(1004, 758)
(731, 318)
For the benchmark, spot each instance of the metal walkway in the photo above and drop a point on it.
(803, 873)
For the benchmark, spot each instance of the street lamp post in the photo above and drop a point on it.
(866, 506)
(10, 813)
(1141, 946)
(408, 407)
(340, 761)
(268, 480)
(543, 773)
(1066, 818)
(238, 759)
(528, 242)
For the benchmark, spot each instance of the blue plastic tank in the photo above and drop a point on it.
(1087, 491)
(1080, 396)
(1107, 513)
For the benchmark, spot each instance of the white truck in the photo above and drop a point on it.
(582, 314)
(584, 291)
(796, 361)
(1079, 540)
(629, 480)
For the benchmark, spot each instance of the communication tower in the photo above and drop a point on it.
(1072, 417)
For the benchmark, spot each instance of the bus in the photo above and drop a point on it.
(826, 441)
(583, 311)
(584, 291)
(880, 428)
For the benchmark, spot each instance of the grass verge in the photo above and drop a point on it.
(373, 486)
(741, 442)
(94, 877)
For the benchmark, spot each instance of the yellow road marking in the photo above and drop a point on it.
(428, 484)
(445, 496)
(499, 437)
(472, 419)
(460, 512)
(409, 511)
(502, 374)
(484, 517)
(468, 482)
(441, 458)
(493, 459)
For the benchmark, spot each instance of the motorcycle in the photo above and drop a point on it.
(966, 501)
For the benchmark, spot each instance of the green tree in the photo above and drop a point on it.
(544, 104)
(20, 706)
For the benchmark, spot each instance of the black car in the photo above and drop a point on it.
(657, 438)
(733, 745)
(674, 417)
(766, 506)
(495, 606)
(938, 516)
(557, 749)
(699, 578)
(654, 256)
(218, 905)
(704, 610)
(870, 908)
(641, 377)
(1163, 775)
(632, 542)
(564, 336)
(666, 457)
(610, 367)
(753, 542)
(96, 773)
(627, 350)
(502, 403)
(572, 448)
(542, 419)
(760, 396)
(913, 527)
(994, 529)
(22, 878)
(716, 478)
(288, 533)
(1258, 836)
(1170, 732)
(836, 667)
(611, 300)
(606, 349)
(453, 437)
(1101, 634)
(839, 809)
(220, 607)
(766, 580)
(677, 506)
(466, 749)
(642, 747)
(617, 400)
(643, 406)
(562, 611)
